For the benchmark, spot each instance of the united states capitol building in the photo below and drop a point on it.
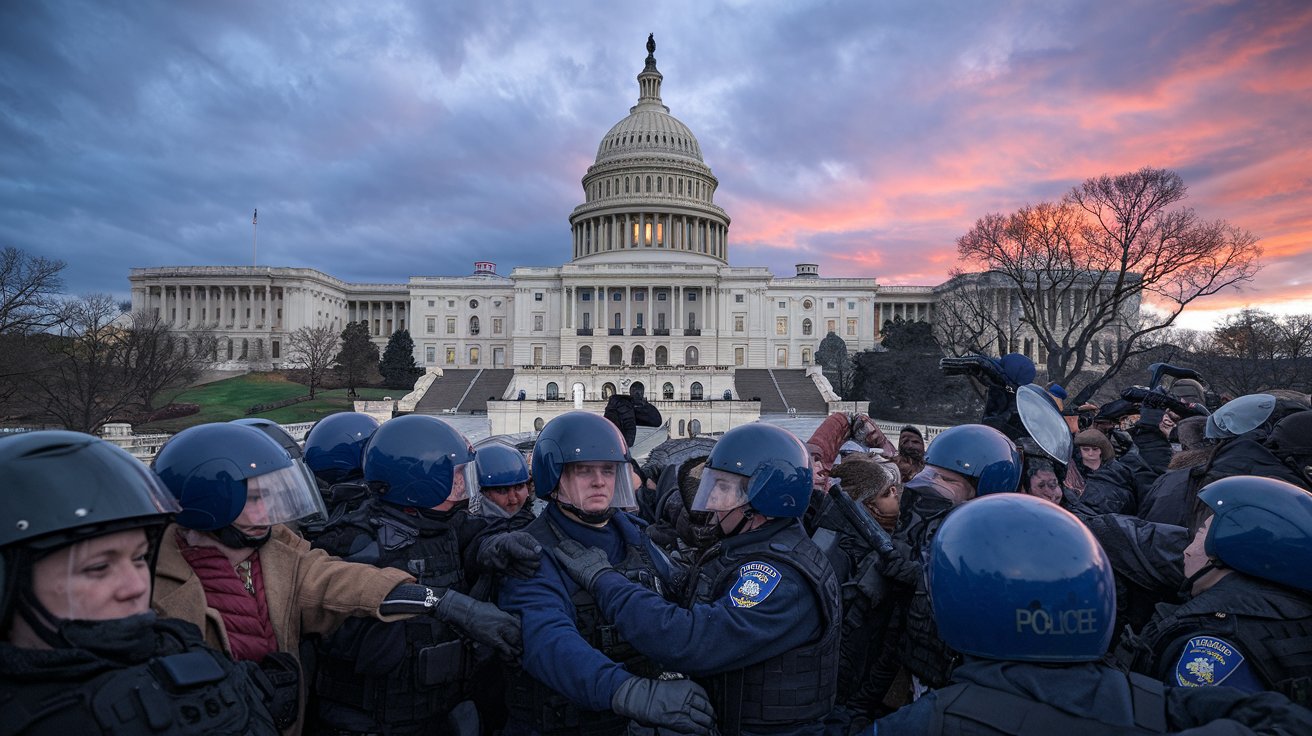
(647, 296)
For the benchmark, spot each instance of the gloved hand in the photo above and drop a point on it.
(584, 564)
(481, 621)
(510, 553)
(902, 565)
(677, 705)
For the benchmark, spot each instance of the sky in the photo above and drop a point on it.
(384, 139)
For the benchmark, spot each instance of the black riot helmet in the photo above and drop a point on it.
(61, 488)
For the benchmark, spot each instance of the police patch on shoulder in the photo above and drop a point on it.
(1206, 660)
(756, 581)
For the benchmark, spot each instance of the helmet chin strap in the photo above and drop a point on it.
(587, 517)
(1187, 587)
(749, 513)
(233, 538)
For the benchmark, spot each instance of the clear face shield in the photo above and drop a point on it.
(595, 486)
(499, 502)
(720, 491)
(98, 579)
(283, 496)
(464, 483)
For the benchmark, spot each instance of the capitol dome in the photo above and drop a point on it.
(649, 195)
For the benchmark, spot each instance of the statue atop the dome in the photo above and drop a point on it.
(651, 43)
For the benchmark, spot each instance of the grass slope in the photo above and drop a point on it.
(229, 399)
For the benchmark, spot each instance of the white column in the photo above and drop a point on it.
(628, 309)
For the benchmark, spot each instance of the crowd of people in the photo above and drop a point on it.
(1140, 567)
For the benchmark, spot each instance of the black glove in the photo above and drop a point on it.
(680, 706)
(902, 565)
(584, 564)
(481, 621)
(283, 673)
(510, 553)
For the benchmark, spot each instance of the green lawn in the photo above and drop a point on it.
(229, 399)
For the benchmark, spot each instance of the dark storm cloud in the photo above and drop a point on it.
(394, 138)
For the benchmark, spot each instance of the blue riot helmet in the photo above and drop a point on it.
(579, 437)
(501, 470)
(419, 461)
(284, 439)
(234, 477)
(1261, 527)
(979, 452)
(61, 488)
(334, 447)
(1013, 577)
(1240, 416)
(757, 464)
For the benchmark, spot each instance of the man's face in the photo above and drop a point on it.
(949, 483)
(509, 498)
(911, 445)
(1195, 557)
(254, 518)
(1044, 485)
(99, 579)
(589, 486)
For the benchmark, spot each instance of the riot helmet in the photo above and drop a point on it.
(419, 461)
(1013, 577)
(1240, 416)
(979, 452)
(284, 439)
(334, 447)
(234, 481)
(502, 480)
(594, 444)
(757, 464)
(1261, 527)
(70, 497)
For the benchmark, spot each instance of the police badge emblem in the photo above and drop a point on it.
(1206, 660)
(756, 580)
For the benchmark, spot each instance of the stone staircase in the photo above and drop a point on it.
(487, 382)
(799, 392)
(446, 391)
(750, 383)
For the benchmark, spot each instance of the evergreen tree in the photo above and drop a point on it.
(358, 355)
(832, 356)
(398, 365)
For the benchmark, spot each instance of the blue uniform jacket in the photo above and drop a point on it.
(726, 634)
(554, 652)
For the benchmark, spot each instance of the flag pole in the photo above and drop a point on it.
(255, 232)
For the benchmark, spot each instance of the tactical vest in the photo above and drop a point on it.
(549, 712)
(1271, 625)
(195, 692)
(975, 710)
(798, 686)
(921, 649)
(435, 664)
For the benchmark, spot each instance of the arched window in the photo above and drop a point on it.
(667, 391)
(694, 427)
(649, 185)
(579, 391)
(585, 355)
(639, 355)
(806, 327)
(245, 348)
(607, 390)
(658, 185)
(690, 357)
(626, 185)
(682, 424)
(781, 357)
(473, 325)
(662, 355)
(616, 355)
(553, 391)
(538, 424)
(695, 391)
(607, 189)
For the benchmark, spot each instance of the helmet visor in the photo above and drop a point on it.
(720, 491)
(98, 578)
(464, 482)
(285, 495)
(595, 485)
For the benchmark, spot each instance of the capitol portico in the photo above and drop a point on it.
(648, 287)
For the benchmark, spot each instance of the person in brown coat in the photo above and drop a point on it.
(830, 436)
(230, 566)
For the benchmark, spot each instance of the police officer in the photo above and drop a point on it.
(403, 677)
(758, 625)
(1025, 593)
(334, 452)
(962, 462)
(1249, 621)
(80, 649)
(502, 491)
(579, 674)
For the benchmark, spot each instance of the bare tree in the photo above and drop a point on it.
(312, 349)
(160, 358)
(1253, 350)
(81, 378)
(1079, 270)
(29, 291)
